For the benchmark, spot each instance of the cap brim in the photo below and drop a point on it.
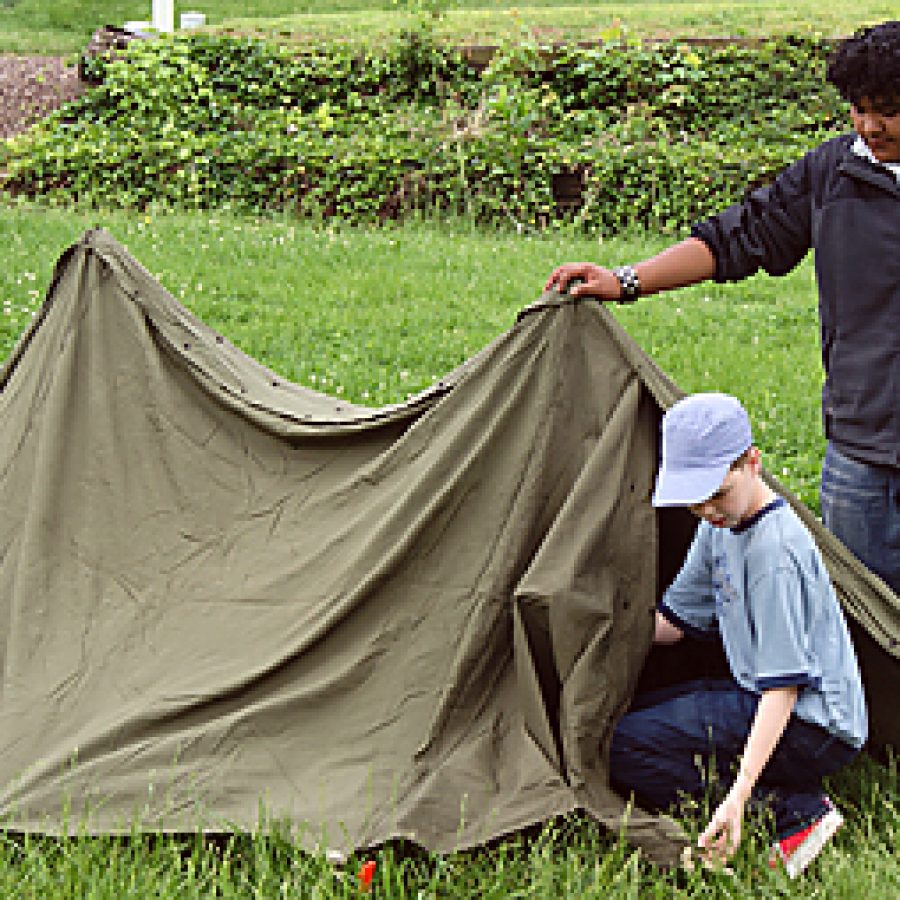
(685, 487)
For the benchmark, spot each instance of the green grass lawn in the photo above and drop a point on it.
(64, 26)
(373, 315)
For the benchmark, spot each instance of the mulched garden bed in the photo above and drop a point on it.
(31, 87)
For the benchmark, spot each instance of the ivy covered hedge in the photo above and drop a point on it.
(615, 135)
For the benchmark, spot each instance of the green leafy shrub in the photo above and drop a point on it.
(652, 136)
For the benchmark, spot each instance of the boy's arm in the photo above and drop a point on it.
(681, 264)
(723, 833)
(771, 229)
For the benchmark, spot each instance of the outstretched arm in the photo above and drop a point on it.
(723, 834)
(682, 264)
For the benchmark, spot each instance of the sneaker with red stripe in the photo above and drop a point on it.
(796, 851)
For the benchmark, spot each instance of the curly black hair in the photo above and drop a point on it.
(867, 66)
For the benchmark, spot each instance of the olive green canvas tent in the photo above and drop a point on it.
(221, 592)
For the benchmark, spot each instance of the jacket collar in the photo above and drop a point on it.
(862, 169)
(861, 148)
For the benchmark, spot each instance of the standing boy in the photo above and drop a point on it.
(753, 578)
(843, 200)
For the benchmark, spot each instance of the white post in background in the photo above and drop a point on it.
(164, 16)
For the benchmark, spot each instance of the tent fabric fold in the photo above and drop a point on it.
(221, 592)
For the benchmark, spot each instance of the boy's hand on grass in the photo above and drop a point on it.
(722, 835)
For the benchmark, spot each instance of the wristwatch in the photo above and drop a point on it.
(631, 284)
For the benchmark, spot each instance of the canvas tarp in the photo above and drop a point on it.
(221, 593)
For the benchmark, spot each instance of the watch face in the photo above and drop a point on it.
(628, 278)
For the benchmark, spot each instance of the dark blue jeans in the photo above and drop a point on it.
(670, 740)
(861, 506)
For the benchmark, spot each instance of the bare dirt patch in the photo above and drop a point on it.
(31, 87)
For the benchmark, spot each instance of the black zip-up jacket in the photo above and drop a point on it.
(848, 210)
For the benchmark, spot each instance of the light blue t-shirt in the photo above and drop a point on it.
(764, 589)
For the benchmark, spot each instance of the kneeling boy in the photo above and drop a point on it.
(753, 578)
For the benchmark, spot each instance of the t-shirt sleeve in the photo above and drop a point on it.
(689, 602)
(781, 631)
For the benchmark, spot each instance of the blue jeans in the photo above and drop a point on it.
(671, 739)
(861, 506)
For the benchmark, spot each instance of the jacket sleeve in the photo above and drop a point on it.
(770, 229)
